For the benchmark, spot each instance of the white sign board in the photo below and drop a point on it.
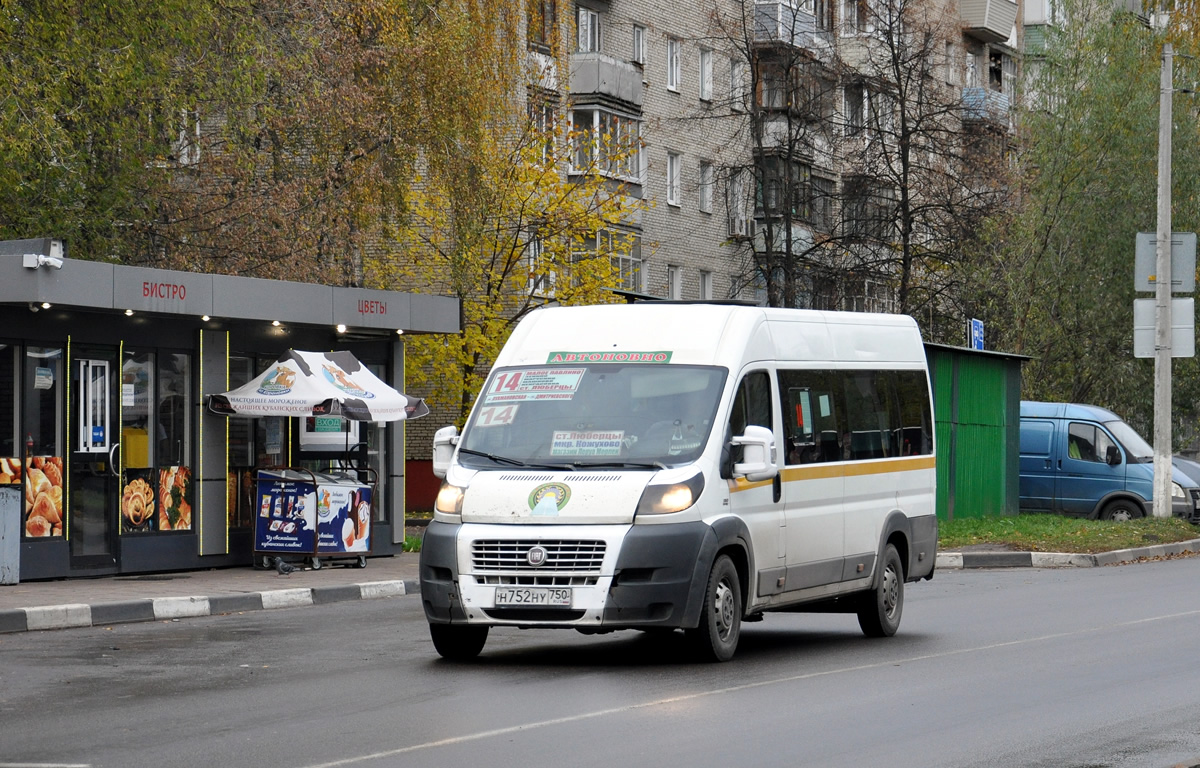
(1183, 262)
(1183, 328)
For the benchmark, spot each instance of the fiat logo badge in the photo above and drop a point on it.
(536, 556)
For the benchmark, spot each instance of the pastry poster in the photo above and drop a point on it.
(43, 496)
(343, 518)
(138, 501)
(174, 499)
(286, 518)
(10, 471)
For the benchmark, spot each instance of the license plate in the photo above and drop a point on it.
(557, 597)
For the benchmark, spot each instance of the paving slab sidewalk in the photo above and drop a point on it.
(66, 603)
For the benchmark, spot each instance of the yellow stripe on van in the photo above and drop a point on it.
(839, 469)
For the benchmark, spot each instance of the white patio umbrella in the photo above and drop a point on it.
(318, 384)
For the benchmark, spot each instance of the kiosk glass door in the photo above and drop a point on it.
(94, 461)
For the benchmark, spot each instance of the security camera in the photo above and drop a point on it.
(52, 259)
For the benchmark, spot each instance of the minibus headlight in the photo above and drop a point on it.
(449, 499)
(673, 497)
(1177, 491)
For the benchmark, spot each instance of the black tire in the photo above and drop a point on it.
(316, 563)
(881, 608)
(361, 562)
(268, 562)
(1121, 510)
(716, 638)
(458, 642)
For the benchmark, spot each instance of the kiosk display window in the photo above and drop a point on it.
(41, 454)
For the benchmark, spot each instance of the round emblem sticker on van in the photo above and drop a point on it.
(548, 498)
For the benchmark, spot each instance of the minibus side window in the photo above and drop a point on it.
(915, 423)
(751, 406)
(811, 416)
(867, 415)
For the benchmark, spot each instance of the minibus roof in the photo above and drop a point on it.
(711, 334)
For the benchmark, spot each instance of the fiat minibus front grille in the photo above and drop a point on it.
(573, 556)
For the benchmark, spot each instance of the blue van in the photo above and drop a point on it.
(1084, 461)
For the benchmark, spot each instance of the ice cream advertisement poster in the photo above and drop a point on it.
(286, 517)
(343, 519)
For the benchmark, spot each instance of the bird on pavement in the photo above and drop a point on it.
(284, 569)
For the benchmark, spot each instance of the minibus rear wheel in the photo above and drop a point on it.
(458, 642)
(720, 627)
(879, 613)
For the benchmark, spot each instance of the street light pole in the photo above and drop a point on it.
(1162, 299)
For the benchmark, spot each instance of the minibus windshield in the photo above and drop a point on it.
(1137, 448)
(608, 415)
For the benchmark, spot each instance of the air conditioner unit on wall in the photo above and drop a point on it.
(737, 226)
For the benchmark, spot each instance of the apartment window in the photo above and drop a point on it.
(626, 262)
(706, 74)
(673, 74)
(673, 174)
(588, 27)
(542, 279)
(823, 10)
(737, 84)
(854, 108)
(606, 142)
(706, 187)
(857, 17)
(822, 203)
(639, 44)
(674, 282)
(706, 285)
(542, 16)
(736, 204)
(542, 123)
(869, 208)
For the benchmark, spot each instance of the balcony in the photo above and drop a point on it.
(984, 104)
(594, 74)
(782, 22)
(989, 20)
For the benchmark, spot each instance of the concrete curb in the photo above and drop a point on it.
(168, 608)
(954, 560)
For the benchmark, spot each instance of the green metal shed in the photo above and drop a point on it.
(977, 418)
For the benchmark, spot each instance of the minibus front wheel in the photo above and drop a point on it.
(458, 642)
(716, 638)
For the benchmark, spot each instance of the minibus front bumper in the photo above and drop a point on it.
(655, 576)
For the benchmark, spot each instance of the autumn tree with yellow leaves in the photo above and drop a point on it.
(512, 209)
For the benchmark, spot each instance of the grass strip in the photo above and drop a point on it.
(1054, 533)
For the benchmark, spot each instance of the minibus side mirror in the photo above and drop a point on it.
(758, 454)
(1112, 456)
(444, 441)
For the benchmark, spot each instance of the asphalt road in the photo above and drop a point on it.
(1090, 667)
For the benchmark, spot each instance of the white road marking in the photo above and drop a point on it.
(731, 689)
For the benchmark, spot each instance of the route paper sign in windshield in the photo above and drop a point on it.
(534, 384)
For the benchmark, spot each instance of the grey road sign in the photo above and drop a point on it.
(1183, 328)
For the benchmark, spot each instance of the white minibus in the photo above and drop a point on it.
(668, 466)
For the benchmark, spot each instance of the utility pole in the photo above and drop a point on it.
(1162, 299)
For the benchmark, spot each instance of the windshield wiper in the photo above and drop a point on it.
(515, 462)
(494, 457)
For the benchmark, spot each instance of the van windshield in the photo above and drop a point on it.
(599, 415)
(1137, 448)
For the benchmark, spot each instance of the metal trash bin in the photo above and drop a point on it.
(10, 534)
